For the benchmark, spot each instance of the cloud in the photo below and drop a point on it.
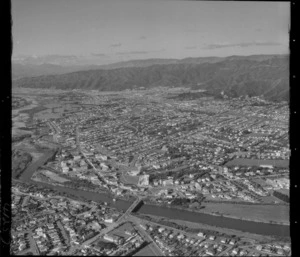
(133, 52)
(140, 52)
(116, 45)
(190, 47)
(98, 54)
(50, 58)
(142, 37)
(193, 30)
(60, 56)
(224, 45)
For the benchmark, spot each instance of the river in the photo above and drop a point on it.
(218, 221)
(162, 211)
(28, 172)
(171, 213)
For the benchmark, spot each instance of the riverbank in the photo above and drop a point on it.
(271, 214)
(166, 211)
(98, 191)
(205, 227)
(219, 214)
(249, 226)
(257, 162)
(29, 171)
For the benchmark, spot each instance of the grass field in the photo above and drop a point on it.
(258, 162)
(54, 176)
(265, 213)
(20, 160)
(213, 228)
(284, 191)
(19, 122)
(46, 114)
(131, 180)
(222, 230)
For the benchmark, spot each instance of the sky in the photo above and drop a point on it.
(106, 31)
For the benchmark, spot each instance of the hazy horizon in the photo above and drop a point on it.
(104, 32)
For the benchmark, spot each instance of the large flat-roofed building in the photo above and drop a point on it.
(113, 238)
(266, 166)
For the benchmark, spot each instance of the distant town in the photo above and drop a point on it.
(149, 172)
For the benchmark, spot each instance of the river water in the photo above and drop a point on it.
(171, 213)
(218, 221)
(162, 211)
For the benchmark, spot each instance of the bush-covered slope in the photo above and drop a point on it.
(234, 76)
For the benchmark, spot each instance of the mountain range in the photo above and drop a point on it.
(256, 75)
(50, 65)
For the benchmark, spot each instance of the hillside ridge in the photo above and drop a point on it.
(266, 76)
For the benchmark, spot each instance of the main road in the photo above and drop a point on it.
(111, 227)
(106, 230)
(153, 245)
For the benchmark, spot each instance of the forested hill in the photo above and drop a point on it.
(235, 76)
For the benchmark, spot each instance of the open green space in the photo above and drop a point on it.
(258, 162)
(262, 213)
(131, 180)
(20, 161)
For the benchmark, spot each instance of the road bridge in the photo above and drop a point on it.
(130, 209)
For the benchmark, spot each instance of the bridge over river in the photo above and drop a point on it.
(162, 211)
(137, 203)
